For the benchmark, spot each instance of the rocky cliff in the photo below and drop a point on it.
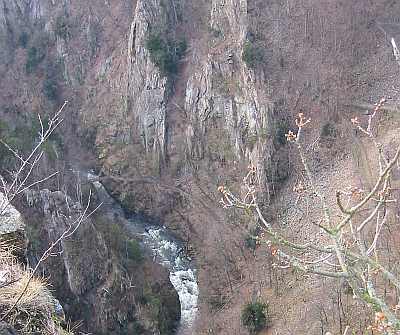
(159, 122)
(168, 99)
(97, 267)
(27, 304)
(93, 268)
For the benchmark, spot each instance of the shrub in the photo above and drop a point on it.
(23, 39)
(347, 289)
(37, 53)
(50, 150)
(114, 236)
(281, 129)
(50, 89)
(34, 128)
(18, 139)
(165, 54)
(252, 54)
(21, 139)
(62, 27)
(181, 48)
(250, 239)
(152, 300)
(251, 140)
(255, 317)
(7, 159)
(34, 58)
(250, 242)
(215, 32)
(134, 327)
(88, 137)
(125, 248)
(4, 127)
(161, 309)
(328, 130)
(160, 54)
(128, 201)
(133, 251)
(94, 36)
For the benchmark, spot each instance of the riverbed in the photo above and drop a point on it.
(165, 250)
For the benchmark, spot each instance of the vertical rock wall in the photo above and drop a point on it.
(147, 88)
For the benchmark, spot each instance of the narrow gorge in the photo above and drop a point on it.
(167, 103)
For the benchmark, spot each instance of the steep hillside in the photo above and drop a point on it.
(168, 99)
(38, 310)
(99, 267)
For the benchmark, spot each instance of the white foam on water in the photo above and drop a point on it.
(182, 277)
(168, 253)
(186, 286)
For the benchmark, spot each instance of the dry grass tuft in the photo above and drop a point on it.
(37, 296)
(34, 312)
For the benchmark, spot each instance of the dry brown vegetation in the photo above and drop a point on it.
(36, 310)
(351, 233)
(330, 59)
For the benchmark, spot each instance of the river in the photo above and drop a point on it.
(166, 250)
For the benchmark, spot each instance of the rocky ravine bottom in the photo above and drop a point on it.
(167, 251)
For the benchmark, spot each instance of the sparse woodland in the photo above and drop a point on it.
(26, 300)
(169, 99)
(352, 246)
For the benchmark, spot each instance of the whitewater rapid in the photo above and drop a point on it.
(167, 251)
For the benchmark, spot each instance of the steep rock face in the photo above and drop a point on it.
(147, 88)
(149, 129)
(6, 329)
(90, 278)
(168, 142)
(227, 92)
(12, 224)
(137, 94)
(59, 213)
(217, 115)
(147, 133)
(38, 310)
(124, 100)
(230, 16)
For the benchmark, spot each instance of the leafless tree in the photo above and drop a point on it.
(348, 249)
(20, 181)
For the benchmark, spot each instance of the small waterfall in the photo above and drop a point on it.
(165, 250)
